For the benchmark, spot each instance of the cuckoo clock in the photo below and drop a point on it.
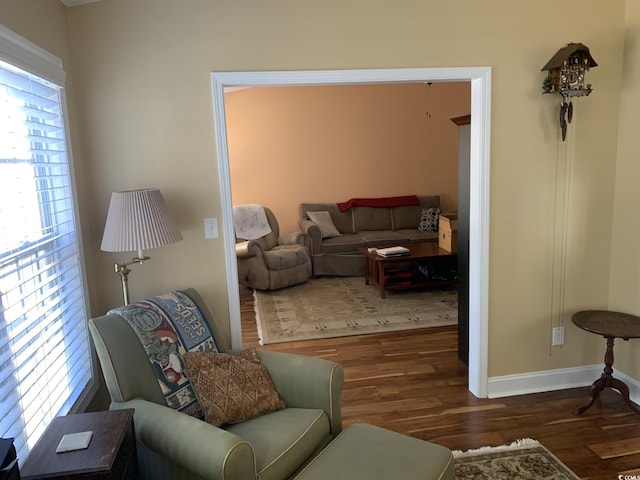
(566, 75)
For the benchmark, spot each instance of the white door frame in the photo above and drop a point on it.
(480, 78)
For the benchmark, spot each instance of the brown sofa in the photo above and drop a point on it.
(362, 227)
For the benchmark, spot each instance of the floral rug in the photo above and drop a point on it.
(328, 307)
(524, 459)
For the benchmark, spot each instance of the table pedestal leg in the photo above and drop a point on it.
(606, 380)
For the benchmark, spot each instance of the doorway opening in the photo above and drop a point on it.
(480, 78)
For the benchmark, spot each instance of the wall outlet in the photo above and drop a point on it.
(210, 228)
(557, 336)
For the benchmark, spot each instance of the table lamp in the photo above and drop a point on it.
(137, 220)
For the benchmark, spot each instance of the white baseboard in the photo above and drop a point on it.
(551, 380)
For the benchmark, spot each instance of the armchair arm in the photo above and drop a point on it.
(248, 248)
(307, 382)
(293, 238)
(197, 446)
(314, 236)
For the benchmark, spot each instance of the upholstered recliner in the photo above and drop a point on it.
(174, 445)
(273, 262)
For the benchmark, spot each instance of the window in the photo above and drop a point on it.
(45, 359)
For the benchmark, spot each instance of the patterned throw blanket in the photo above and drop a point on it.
(250, 222)
(168, 326)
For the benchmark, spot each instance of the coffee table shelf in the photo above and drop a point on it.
(379, 270)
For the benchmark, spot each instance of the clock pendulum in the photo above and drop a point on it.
(563, 121)
(570, 111)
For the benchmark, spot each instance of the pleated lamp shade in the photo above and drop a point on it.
(138, 220)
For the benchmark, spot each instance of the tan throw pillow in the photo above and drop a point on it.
(323, 220)
(231, 388)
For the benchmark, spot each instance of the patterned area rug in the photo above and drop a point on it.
(522, 460)
(328, 307)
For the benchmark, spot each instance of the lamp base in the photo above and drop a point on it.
(123, 270)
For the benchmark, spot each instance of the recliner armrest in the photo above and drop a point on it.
(248, 248)
(205, 450)
(307, 382)
(293, 238)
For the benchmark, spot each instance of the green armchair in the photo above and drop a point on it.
(174, 445)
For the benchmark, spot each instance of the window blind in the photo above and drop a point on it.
(45, 359)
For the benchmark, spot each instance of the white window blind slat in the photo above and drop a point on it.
(41, 276)
(46, 326)
(22, 347)
(45, 358)
(28, 83)
(45, 117)
(25, 329)
(31, 98)
(75, 375)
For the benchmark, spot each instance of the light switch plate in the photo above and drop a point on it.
(210, 228)
(557, 336)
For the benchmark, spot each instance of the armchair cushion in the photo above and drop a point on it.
(231, 388)
(284, 440)
(284, 257)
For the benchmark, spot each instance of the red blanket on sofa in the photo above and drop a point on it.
(379, 202)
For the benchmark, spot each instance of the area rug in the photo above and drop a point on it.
(524, 459)
(328, 307)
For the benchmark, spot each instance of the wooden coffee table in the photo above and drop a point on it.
(379, 270)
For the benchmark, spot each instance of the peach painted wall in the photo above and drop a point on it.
(289, 145)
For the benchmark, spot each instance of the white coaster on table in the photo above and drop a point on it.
(74, 441)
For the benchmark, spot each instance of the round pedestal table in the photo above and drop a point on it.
(610, 325)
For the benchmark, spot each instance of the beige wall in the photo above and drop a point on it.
(624, 291)
(142, 87)
(289, 145)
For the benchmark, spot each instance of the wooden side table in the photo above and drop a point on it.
(610, 325)
(111, 453)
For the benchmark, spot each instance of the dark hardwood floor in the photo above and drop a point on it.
(412, 382)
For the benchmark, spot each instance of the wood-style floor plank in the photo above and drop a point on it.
(412, 382)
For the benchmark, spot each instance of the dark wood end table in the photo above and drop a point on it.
(610, 325)
(111, 453)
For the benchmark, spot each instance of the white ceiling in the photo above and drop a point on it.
(74, 3)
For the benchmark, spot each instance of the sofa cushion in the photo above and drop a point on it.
(344, 244)
(231, 388)
(406, 217)
(284, 440)
(371, 218)
(416, 236)
(383, 238)
(322, 219)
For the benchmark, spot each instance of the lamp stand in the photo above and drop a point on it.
(123, 270)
